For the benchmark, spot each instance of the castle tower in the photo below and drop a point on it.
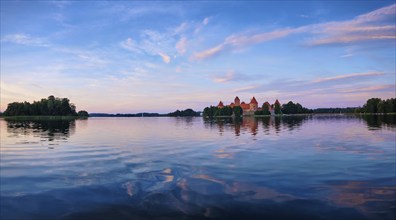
(220, 105)
(237, 101)
(253, 104)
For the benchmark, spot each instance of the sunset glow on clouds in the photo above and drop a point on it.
(130, 57)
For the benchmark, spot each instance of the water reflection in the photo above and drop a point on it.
(379, 121)
(46, 130)
(304, 167)
(253, 125)
(275, 125)
(361, 195)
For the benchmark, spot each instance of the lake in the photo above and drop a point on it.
(306, 167)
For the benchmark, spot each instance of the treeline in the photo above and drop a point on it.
(184, 113)
(289, 108)
(265, 109)
(50, 106)
(377, 105)
(295, 108)
(214, 111)
(372, 106)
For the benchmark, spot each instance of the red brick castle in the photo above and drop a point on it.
(248, 109)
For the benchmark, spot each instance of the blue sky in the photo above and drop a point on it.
(128, 56)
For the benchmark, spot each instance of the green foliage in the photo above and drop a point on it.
(237, 111)
(266, 110)
(371, 105)
(277, 108)
(184, 113)
(83, 113)
(376, 105)
(291, 108)
(258, 112)
(225, 111)
(50, 106)
(210, 112)
(207, 113)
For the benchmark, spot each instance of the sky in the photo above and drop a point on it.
(130, 57)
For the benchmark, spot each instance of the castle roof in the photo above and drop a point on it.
(245, 106)
(266, 103)
(253, 101)
(220, 104)
(277, 102)
(236, 98)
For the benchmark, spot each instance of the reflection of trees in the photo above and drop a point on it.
(293, 122)
(184, 121)
(250, 124)
(379, 121)
(45, 129)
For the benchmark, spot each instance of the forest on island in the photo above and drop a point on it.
(51, 106)
(372, 106)
(377, 105)
(237, 111)
(184, 113)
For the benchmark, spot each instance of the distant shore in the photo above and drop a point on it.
(58, 117)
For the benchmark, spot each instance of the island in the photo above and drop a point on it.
(238, 108)
(47, 107)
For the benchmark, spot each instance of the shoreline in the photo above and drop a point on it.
(58, 117)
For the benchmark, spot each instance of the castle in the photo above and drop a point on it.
(249, 109)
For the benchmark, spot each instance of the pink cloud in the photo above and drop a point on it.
(377, 88)
(373, 26)
(208, 53)
(347, 76)
(181, 45)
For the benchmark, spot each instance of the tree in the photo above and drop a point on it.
(50, 106)
(266, 109)
(83, 113)
(226, 111)
(277, 107)
(207, 113)
(237, 111)
(371, 105)
(258, 112)
(184, 113)
(291, 108)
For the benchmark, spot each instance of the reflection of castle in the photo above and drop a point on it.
(248, 109)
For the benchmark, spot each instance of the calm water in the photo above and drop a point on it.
(316, 167)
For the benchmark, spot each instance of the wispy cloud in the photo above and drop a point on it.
(130, 45)
(201, 25)
(206, 21)
(181, 45)
(347, 76)
(377, 25)
(25, 39)
(165, 57)
(152, 43)
(315, 86)
(132, 10)
(209, 52)
(232, 76)
(377, 88)
(245, 88)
